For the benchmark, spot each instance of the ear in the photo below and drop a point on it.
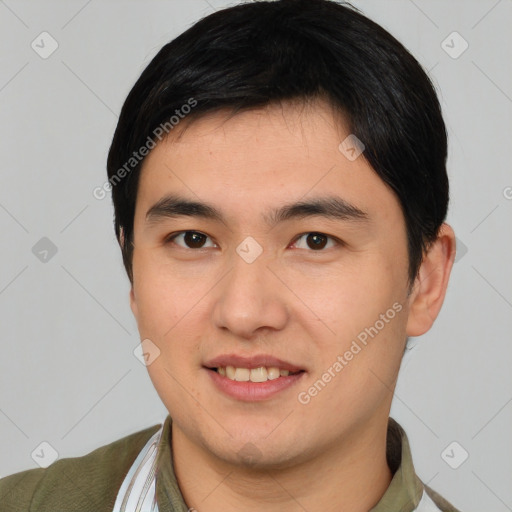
(430, 285)
(133, 302)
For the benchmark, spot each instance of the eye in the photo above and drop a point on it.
(190, 240)
(315, 241)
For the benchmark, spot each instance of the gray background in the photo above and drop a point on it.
(68, 375)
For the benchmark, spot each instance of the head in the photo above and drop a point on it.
(250, 225)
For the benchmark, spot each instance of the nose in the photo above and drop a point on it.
(250, 300)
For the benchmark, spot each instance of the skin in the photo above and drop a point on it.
(299, 304)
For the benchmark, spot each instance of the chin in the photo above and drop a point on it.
(258, 455)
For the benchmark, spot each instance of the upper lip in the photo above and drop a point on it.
(255, 361)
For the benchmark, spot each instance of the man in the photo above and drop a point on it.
(279, 183)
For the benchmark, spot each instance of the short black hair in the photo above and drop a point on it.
(267, 52)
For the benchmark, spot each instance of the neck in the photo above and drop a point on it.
(353, 475)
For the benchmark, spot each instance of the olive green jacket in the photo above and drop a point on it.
(90, 483)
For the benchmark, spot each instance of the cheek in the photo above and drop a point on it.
(167, 315)
(363, 318)
(172, 310)
(165, 299)
(350, 298)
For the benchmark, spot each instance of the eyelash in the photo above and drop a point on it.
(170, 239)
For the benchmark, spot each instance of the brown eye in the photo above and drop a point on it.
(190, 240)
(194, 240)
(314, 241)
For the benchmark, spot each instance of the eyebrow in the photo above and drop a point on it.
(331, 207)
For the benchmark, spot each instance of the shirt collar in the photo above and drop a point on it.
(406, 489)
(403, 494)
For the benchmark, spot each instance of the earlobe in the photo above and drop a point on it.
(431, 283)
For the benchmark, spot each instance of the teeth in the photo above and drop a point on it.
(260, 374)
(272, 373)
(230, 372)
(242, 374)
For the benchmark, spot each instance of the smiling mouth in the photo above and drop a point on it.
(256, 375)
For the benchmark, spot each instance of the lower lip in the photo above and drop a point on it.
(253, 391)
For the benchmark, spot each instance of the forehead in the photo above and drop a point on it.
(261, 157)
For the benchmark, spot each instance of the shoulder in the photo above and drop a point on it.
(75, 484)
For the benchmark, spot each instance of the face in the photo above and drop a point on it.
(290, 271)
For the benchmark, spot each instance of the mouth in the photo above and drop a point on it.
(259, 374)
(252, 379)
